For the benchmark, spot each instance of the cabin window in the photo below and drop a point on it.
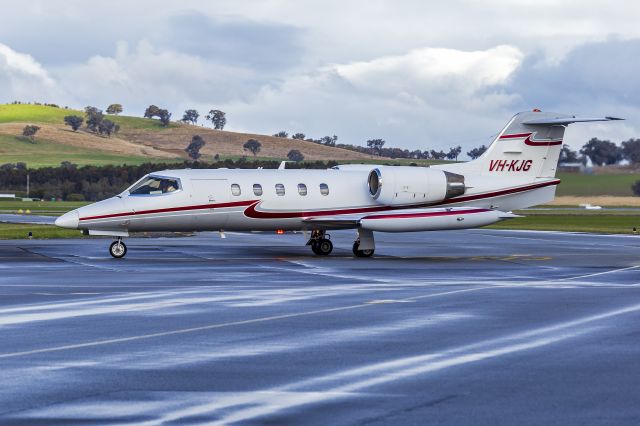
(235, 189)
(279, 189)
(155, 185)
(257, 189)
(302, 189)
(324, 189)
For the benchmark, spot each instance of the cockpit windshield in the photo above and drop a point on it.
(155, 185)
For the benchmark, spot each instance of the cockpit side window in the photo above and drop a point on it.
(155, 185)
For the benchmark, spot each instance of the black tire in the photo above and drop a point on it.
(117, 249)
(361, 253)
(323, 247)
(314, 247)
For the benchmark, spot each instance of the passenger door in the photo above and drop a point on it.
(210, 192)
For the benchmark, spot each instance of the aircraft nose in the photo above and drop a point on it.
(68, 220)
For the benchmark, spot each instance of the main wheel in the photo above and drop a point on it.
(322, 247)
(117, 249)
(314, 247)
(361, 253)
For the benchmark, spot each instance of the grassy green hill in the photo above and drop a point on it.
(45, 152)
(23, 113)
(139, 140)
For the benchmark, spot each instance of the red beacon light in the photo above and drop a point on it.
(280, 231)
(536, 110)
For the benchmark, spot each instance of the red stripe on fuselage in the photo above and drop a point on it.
(253, 213)
(172, 209)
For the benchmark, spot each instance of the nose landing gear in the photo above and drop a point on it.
(118, 249)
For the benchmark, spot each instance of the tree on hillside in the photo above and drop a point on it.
(190, 116)
(193, 150)
(299, 136)
(454, 152)
(114, 109)
(281, 134)
(252, 145)
(30, 131)
(631, 150)
(601, 152)
(635, 187)
(151, 111)
(75, 121)
(218, 118)
(329, 140)
(376, 144)
(476, 152)
(94, 118)
(295, 155)
(165, 117)
(108, 127)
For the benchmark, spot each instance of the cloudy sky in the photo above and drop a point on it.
(418, 74)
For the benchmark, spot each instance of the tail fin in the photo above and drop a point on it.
(528, 146)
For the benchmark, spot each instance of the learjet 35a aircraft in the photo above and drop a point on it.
(516, 171)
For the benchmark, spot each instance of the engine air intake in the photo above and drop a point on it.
(411, 185)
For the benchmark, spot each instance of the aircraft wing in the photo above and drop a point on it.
(352, 221)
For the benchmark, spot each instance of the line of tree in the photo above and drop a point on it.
(602, 152)
(93, 183)
(377, 147)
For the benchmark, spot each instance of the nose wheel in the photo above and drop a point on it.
(118, 249)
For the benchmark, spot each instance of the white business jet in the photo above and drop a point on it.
(516, 171)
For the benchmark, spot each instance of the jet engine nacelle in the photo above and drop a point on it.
(398, 185)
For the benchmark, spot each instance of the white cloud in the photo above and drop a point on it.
(144, 75)
(426, 98)
(21, 75)
(423, 72)
(419, 74)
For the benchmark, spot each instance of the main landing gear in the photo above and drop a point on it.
(118, 249)
(361, 253)
(363, 246)
(320, 244)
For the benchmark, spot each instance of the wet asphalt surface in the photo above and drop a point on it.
(477, 327)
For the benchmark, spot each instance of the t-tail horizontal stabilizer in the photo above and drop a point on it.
(568, 120)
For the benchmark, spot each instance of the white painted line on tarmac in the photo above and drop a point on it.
(612, 271)
(215, 326)
(244, 406)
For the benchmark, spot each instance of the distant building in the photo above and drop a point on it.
(572, 168)
(7, 195)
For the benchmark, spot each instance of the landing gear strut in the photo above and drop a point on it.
(118, 249)
(364, 245)
(320, 244)
(361, 253)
